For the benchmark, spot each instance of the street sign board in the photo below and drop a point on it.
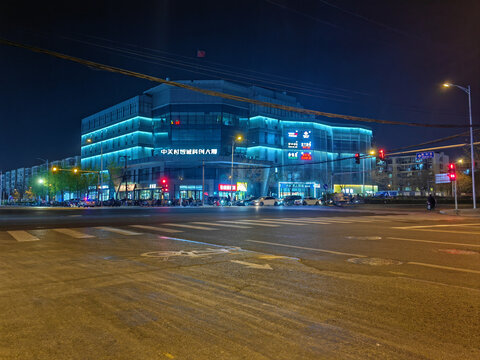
(442, 179)
(425, 155)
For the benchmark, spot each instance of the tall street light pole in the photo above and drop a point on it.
(46, 162)
(238, 138)
(469, 93)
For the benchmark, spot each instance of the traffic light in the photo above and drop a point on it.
(357, 158)
(452, 173)
(164, 184)
(75, 170)
(54, 169)
(381, 154)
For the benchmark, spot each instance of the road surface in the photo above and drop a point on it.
(238, 283)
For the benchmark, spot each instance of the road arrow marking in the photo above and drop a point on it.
(252, 265)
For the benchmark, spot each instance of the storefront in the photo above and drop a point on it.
(303, 189)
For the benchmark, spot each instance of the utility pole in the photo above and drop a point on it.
(1, 188)
(203, 183)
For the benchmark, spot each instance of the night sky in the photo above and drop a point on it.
(378, 59)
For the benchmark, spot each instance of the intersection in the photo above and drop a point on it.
(239, 283)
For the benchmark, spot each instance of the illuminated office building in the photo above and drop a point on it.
(186, 136)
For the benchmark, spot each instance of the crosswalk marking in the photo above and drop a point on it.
(117, 231)
(73, 233)
(281, 222)
(155, 228)
(249, 222)
(22, 236)
(306, 222)
(191, 226)
(224, 225)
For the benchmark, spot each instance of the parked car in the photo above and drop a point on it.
(311, 201)
(267, 200)
(292, 200)
(86, 203)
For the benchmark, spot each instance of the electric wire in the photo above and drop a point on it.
(219, 94)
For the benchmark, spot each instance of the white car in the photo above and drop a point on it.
(266, 200)
(311, 201)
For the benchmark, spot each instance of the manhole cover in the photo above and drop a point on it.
(364, 237)
(458, 252)
(186, 253)
(374, 261)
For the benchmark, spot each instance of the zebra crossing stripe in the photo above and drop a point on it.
(280, 221)
(155, 228)
(224, 225)
(22, 236)
(191, 226)
(117, 231)
(73, 233)
(250, 222)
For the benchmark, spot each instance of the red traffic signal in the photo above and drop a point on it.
(381, 154)
(452, 173)
(357, 158)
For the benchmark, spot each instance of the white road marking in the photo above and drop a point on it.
(306, 221)
(444, 267)
(73, 233)
(250, 222)
(252, 265)
(327, 220)
(191, 226)
(117, 231)
(22, 236)
(434, 242)
(437, 283)
(307, 248)
(433, 226)
(224, 225)
(155, 228)
(447, 231)
(280, 222)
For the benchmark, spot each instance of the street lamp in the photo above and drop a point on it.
(469, 93)
(238, 138)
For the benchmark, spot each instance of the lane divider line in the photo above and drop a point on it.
(434, 242)
(444, 267)
(308, 248)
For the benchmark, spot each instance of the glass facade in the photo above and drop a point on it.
(174, 132)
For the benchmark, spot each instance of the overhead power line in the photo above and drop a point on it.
(219, 94)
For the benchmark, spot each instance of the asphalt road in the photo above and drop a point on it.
(238, 283)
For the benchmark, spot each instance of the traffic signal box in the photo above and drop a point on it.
(164, 184)
(381, 154)
(452, 173)
(357, 158)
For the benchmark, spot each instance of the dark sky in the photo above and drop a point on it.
(378, 59)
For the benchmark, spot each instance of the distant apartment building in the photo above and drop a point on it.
(18, 180)
(412, 174)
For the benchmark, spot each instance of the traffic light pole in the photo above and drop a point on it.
(456, 202)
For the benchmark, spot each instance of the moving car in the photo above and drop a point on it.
(266, 200)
